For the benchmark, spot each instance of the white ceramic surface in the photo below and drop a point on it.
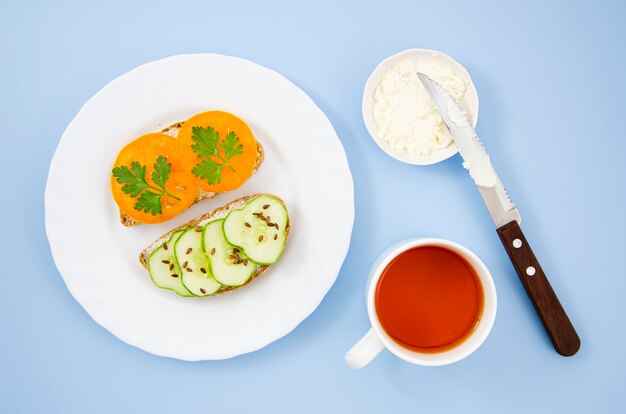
(469, 102)
(377, 339)
(97, 256)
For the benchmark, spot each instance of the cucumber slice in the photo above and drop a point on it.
(229, 265)
(163, 269)
(258, 229)
(194, 266)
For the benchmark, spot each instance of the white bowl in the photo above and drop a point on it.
(469, 102)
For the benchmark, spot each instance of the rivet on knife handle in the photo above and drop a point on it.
(552, 315)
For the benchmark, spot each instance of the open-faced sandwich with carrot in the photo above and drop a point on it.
(159, 175)
(222, 250)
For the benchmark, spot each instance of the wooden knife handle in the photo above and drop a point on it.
(552, 315)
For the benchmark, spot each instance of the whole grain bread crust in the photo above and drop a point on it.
(206, 218)
(172, 130)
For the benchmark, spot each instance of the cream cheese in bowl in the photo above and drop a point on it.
(399, 114)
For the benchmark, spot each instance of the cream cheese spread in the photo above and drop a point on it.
(482, 172)
(404, 114)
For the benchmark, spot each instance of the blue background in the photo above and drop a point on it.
(552, 90)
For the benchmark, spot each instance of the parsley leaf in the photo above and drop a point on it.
(135, 184)
(205, 140)
(210, 170)
(161, 171)
(131, 178)
(149, 202)
(231, 145)
(206, 147)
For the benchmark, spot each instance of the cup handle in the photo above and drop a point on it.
(364, 351)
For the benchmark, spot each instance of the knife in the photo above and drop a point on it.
(506, 218)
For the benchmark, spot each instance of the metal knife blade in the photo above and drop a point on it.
(504, 214)
(476, 159)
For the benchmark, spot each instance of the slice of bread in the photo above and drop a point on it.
(172, 130)
(216, 214)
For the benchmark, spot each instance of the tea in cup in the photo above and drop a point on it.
(430, 302)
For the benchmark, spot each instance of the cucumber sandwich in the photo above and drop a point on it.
(222, 250)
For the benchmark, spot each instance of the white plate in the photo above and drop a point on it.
(469, 102)
(305, 164)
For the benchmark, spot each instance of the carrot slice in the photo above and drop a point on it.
(206, 155)
(181, 187)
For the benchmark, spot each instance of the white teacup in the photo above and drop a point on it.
(376, 339)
